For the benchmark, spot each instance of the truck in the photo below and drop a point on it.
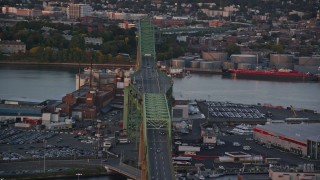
(109, 142)
(123, 140)
(189, 148)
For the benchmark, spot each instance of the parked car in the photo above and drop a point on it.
(236, 144)
(246, 148)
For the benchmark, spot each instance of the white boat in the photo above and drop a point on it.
(88, 70)
(213, 175)
(242, 129)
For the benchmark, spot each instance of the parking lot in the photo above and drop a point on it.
(17, 136)
(235, 143)
(20, 144)
(232, 110)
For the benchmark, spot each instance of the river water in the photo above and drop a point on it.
(41, 83)
(214, 87)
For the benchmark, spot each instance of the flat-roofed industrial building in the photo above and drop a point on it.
(301, 139)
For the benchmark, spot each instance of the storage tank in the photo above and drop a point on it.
(280, 59)
(206, 64)
(215, 56)
(178, 63)
(309, 61)
(228, 65)
(216, 65)
(245, 66)
(283, 66)
(244, 58)
(187, 60)
(195, 64)
(307, 69)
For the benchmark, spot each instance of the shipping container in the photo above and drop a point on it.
(22, 125)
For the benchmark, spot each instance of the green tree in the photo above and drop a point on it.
(233, 49)
(277, 48)
(107, 35)
(77, 41)
(294, 17)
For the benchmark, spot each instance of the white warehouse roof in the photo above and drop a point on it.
(301, 132)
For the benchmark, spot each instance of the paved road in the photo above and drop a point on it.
(159, 159)
(116, 165)
(149, 80)
(158, 154)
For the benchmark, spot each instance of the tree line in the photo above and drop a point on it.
(50, 45)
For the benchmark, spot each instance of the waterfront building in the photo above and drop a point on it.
(12, 47)
(305, 171)
(301, 139)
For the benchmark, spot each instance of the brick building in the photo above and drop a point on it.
(12, 47)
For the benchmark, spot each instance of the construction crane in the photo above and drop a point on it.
(294, 112)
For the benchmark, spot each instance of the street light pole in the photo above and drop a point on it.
(317, 143)
(208, 112)
(79, 174)
(44, 157)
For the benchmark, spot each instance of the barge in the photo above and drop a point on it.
(278, 75)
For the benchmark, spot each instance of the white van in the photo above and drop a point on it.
(246, 148)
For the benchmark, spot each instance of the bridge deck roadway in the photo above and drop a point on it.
(121, 168)
(153, 85)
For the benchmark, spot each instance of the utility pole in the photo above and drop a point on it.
(79, 80)
(44, 157)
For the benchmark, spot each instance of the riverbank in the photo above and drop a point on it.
(55, 170)
(52, 170)
(82, 65)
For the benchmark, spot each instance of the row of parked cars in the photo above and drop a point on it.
(12, 156)
(226, 104)
(53, 151)
(235, 113)
(17, 136)
(37, 171)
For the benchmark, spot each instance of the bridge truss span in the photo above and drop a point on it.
(157, 136)
(147, 106)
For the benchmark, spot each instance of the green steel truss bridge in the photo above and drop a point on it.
(180, 30)
(147, 106)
